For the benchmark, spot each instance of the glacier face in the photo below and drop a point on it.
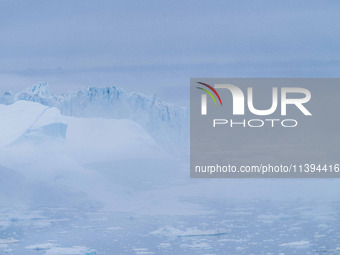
(167, 124)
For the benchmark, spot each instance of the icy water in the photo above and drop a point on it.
(257, 227)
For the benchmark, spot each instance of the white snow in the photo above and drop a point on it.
(4, 243)
(52, 248)
(74, 250)
(171, 231)
(42, 246)
(113, 228)
(296, 244)
(164, 245)
(141, 251)
(197, 245)
(8, 240)
(17, 120)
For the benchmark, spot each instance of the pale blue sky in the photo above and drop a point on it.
(156, 46)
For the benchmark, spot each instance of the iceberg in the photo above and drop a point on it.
(168, 124)
(51, 157)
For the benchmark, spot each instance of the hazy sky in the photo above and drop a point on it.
(156, 46)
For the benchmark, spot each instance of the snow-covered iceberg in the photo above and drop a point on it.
(166, 123)
(54, 158)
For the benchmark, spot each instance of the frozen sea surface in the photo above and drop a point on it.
(232, 227)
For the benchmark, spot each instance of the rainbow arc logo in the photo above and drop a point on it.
(204, 96)
(208, 92)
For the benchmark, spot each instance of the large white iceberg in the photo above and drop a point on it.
(166, 123)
